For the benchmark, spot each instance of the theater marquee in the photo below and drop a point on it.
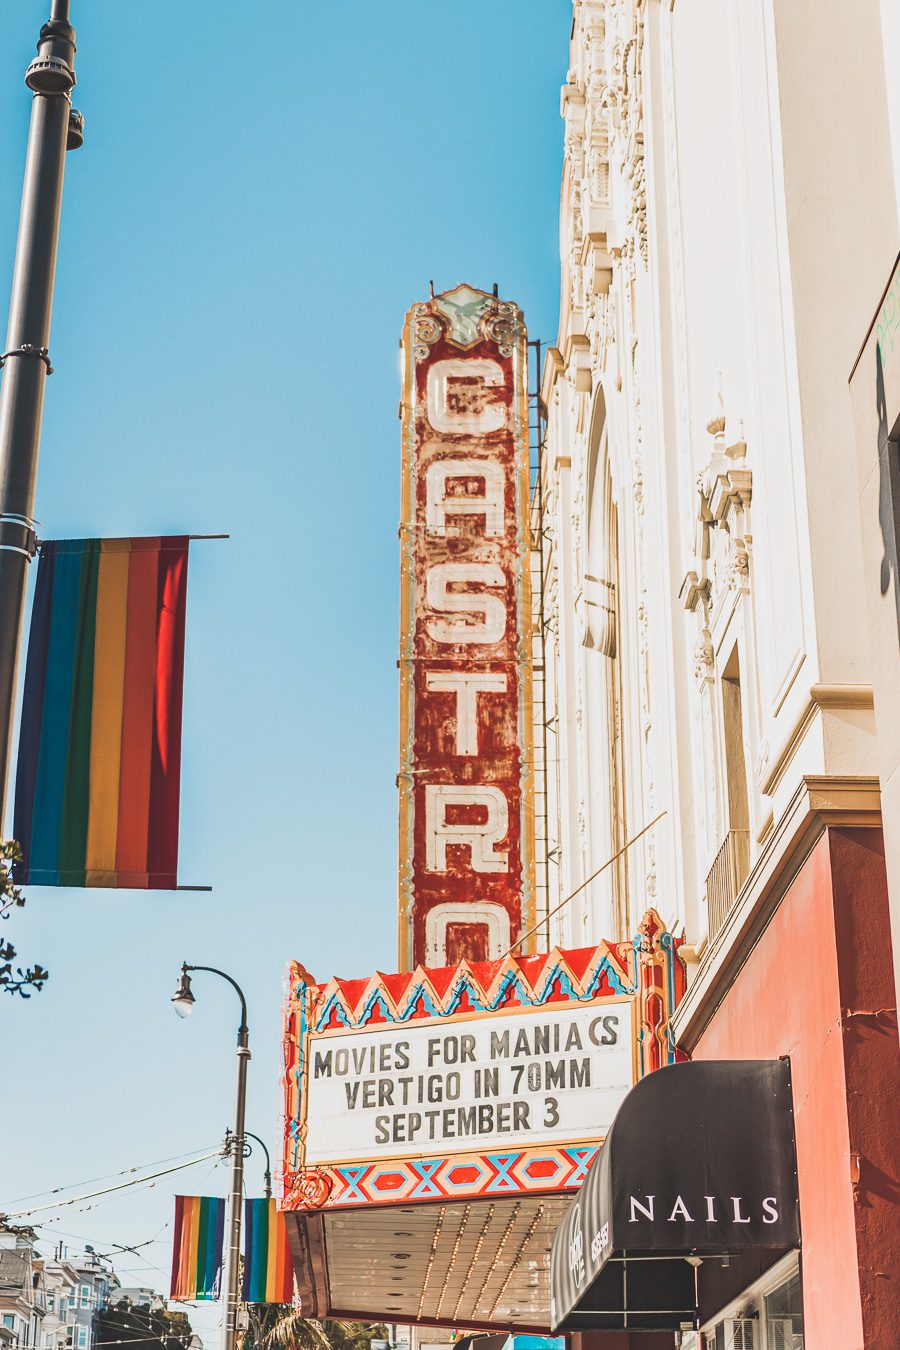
(466, 812)
(437, 1120)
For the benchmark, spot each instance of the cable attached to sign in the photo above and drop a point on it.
(578, 889)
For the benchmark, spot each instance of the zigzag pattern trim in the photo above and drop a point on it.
(516, 981)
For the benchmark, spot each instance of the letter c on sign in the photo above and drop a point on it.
(490, 417)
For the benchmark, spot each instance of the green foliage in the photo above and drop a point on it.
(274, 1326)
(142, 1329)
(21, 981)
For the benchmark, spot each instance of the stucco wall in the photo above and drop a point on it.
(823, 963)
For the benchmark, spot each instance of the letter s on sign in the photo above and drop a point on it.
(489, 611)
(770, 1209)
(489, 417)
(610, 1027)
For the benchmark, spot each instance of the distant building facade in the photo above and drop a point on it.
(22, 1297)
(97, 1283)
(60, 1293)
(715, 526)
(50, 1304)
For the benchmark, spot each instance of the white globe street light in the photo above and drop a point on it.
(183, 1001)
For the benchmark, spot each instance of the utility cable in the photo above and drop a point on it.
(90, 1181)
(164, 1337)
(107, 1190)
(593, 877)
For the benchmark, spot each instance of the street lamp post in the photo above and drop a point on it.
(183, 1000)
(268, 1172)
(55, 127)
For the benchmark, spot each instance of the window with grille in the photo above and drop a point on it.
(769, 1315)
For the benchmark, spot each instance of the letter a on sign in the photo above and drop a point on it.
(466, 754)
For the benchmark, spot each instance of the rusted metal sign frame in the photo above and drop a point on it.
(482, 343)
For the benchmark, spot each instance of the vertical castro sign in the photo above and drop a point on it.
(466, 762)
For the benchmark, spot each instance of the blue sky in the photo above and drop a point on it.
(263, 191)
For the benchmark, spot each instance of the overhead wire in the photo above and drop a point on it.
(593, 877)
(147, 1265)
(109, 1190)
(125, 1171)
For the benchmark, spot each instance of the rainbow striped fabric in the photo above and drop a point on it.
(268, 1269)
(99, 768)
(197, 1253)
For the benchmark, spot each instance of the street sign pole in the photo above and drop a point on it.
(54, 128)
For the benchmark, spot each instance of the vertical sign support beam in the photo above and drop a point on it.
(54, 129)
(466, 737)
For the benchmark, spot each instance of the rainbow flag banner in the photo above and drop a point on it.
(99, 768)
(197, 1251)
(268, 1269)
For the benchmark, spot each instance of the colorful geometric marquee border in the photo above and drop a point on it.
(648, 970)
(460, 1177)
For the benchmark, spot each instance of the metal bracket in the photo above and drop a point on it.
(22, 536)
(29, 349)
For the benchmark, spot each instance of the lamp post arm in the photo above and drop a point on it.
(268, 1174)
(211, 970)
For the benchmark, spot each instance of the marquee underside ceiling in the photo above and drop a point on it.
(479, 1263)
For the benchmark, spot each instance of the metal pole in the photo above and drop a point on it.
(54, 129)
(232, 1263)
(231, 1272)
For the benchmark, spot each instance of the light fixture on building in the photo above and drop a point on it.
(183, 999)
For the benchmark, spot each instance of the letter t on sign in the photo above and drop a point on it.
(466, 686)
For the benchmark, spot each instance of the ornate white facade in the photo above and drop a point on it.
(728, 220)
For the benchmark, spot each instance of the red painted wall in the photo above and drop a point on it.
(826, 949)
(621, 1340)
(872, 1071)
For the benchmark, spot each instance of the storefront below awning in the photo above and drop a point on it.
(510, 1342)
(697, 1176)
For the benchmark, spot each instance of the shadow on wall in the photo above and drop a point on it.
(889, 491)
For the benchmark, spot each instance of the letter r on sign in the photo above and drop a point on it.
(481, 839)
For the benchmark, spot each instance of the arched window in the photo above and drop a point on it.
(602, 731)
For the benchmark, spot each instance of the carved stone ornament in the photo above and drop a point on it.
(704, 655)
(723, 540)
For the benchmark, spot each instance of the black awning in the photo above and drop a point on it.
(482, 1342)
(698, 1163)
